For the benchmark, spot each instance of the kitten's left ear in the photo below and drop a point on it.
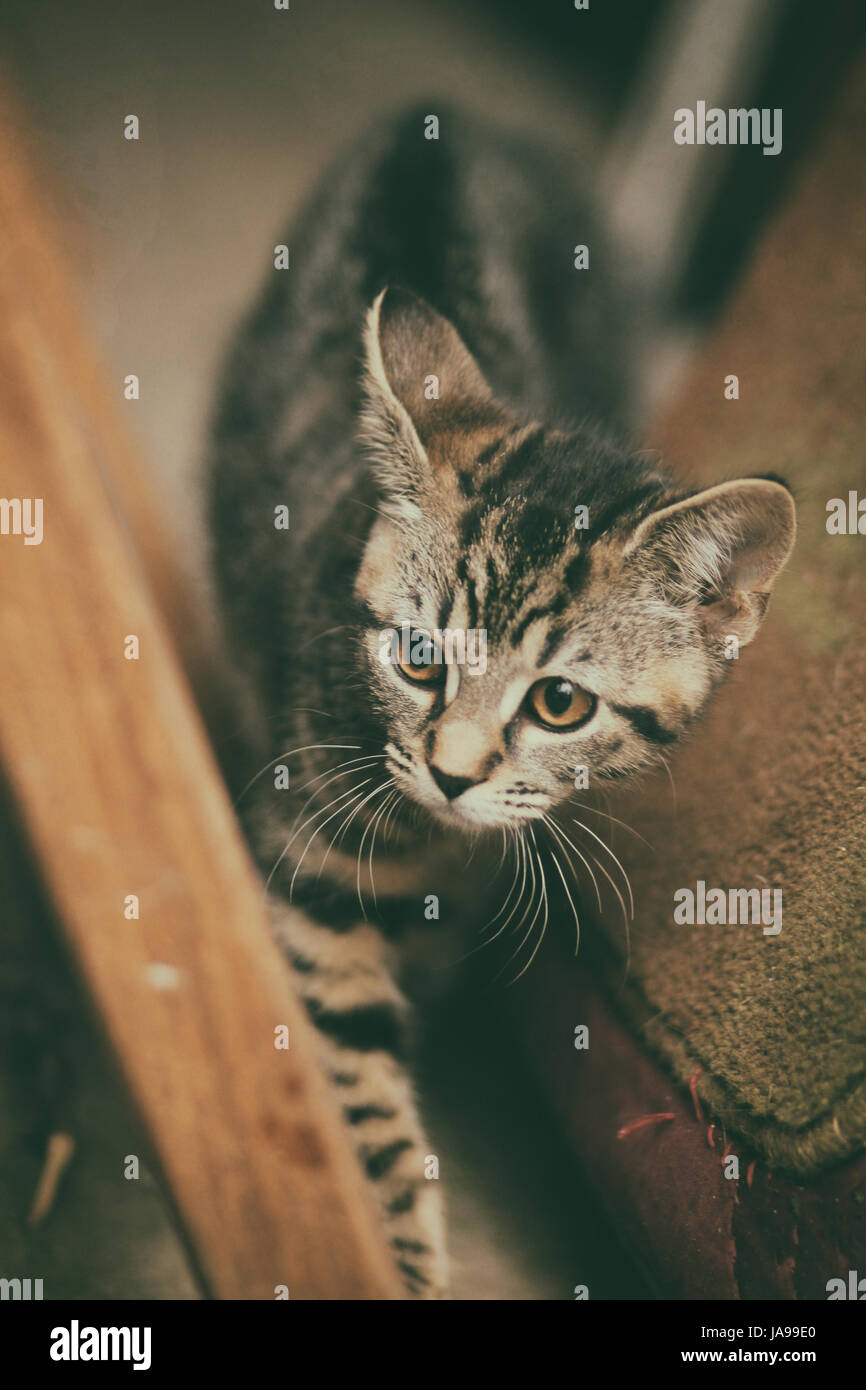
(722, 551)
(424, 394)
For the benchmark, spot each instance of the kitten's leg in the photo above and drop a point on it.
(360, 1017)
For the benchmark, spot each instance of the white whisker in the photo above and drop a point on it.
(521, 858)
(585, 806)
(546, 915)
(309, 821)
(542, 899)
(370, 795)
(570, 899)
(366, 767)
(292, 753)
(376, 819)
(666, 766)
(564, 839)
(341, 830)
(604, 871)
(350, 762)
(607, 849)
(517, 864)
(397, 798)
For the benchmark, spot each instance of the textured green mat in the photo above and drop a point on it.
(772, 790)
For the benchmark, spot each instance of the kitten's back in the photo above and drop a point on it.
(480, 224)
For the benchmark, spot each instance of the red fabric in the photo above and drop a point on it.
(698, 1234)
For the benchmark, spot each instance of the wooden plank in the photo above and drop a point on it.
(120, 795)
(39, 229)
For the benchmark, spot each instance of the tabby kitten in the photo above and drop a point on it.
(432, 391)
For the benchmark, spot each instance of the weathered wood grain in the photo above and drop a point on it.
(118, 789)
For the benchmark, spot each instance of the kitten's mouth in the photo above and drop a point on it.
(446, 811)
(454, 815)
(468, 821)
(454, 811)
(459, 813)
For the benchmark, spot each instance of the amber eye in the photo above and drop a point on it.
(420, 660)
(558, 704)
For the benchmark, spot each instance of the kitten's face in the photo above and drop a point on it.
(585, 665)
(600, 644)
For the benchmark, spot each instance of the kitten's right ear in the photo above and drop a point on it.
(721, 551)
(424, 395)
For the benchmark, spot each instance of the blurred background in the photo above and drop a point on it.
(241, 107)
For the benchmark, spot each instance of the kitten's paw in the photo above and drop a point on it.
(422, 1271)
(420, 1253)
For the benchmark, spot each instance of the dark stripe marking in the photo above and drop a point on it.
(302, 965)
(338, 910)
(646, 723)
(472, 600)
(556, 635)
(380, 1162)
(488, 453)
(532, 616)
(329, 907)
(576, 570)
(519, 459)
(403, 1203)
(368, 1028)
(470, 524)
(358, 1114)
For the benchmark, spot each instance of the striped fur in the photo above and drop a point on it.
(450, 508)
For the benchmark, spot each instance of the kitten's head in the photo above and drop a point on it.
(601, 632)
